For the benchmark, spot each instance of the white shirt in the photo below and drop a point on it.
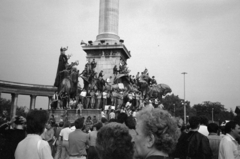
(104, 95)
(203, 130)
(28, 148)
(65, 133)
(228, 148)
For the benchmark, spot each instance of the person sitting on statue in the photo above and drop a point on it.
(63, 60)
(100, 83)
(133, 79)
(109, 80)
(100, 74)
(137, 76)
(153, 81)
(115, 70)
(145, 71)
(93, 64)
(88, 67)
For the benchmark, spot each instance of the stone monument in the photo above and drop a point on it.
(108, 49)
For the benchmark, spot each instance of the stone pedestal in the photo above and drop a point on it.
(107, 56)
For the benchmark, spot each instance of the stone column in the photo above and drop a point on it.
(108, 20)
(49, 102)
(32, 102)
(14, 104)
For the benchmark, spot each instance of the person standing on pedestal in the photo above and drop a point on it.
(93, 98)
(88, 98)
(104, 97)
(115, 70)
(99, 98)
(100, 74)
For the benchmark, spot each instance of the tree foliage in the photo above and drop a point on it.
(5, 104)
(175, 106)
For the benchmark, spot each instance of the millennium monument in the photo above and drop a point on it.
(107, 80)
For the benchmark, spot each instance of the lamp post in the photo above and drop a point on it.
(184, 106)
(174, 110)
(212, 114)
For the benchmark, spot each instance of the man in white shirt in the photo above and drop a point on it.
(64, 134)
(228, 148)
(203, 126)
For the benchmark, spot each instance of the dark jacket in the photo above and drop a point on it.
(12, 138)
(193, 145)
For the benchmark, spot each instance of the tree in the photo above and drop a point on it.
(175, 106)
(5, 104)
(219, 112)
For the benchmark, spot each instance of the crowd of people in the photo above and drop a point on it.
(150, 133)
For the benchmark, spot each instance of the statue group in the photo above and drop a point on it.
(116, 90)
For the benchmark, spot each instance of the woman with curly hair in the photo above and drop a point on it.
(156, 134)
(114, 142)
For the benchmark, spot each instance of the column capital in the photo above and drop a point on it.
(14, 94)
(33, 96)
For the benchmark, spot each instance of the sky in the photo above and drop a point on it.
(200, 37)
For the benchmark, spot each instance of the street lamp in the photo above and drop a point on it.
(184, 106)
(212, 113)
(174, 110)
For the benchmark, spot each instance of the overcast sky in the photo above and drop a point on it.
(200, 37)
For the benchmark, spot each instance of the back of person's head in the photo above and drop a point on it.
(104, 120)
(212, 128)
(229, 126)
(194, 122)
(60, 124)
(112, 120)
(79, 123)
(131, 122)
(121, 118)
(98, 125)
(203, 120)
(36, 121)
(66, 124)
(114, 142)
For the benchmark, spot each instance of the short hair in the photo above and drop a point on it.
(98, 125)
(18, 121)
(229, 126)
(114, 142)
(194, 122)
(121, 118)
(162, 125)
(79, 123)
(212, 128)
(103, 120)
(36, 121)
(60, 124)
(66, 124)
(131, 122)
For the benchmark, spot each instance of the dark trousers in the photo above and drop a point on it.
(92, 153)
